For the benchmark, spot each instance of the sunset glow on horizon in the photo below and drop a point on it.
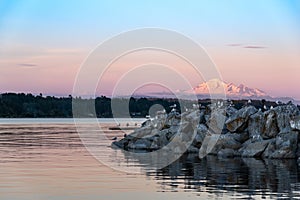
(44, 43)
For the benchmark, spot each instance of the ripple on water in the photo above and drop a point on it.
(49, 160)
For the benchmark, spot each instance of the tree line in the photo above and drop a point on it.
(13, 105)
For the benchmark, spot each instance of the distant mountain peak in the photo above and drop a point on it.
(216, 86)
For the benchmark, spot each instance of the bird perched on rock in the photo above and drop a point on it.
(173, 106)
(186, 109)
(221, 104)
(194, 106)
(265, 107)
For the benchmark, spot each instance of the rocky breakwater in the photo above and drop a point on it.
(222, 131)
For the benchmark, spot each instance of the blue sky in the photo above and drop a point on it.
(35, 32)
(211, 20)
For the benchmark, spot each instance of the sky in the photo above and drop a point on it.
(43, 44)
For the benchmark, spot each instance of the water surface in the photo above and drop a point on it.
(45, 159)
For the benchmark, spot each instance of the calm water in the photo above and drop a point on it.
(45, 159)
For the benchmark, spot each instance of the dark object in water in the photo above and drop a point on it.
(121, 128)
(115, 138)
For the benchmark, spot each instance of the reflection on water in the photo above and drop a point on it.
(245, 177)
(46, 160)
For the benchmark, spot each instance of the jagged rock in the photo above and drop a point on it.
(172, 131)
(173, 119)
(201, 133)
(285, 114)
(230, 110)
(271, 148)
(284, 146)
(202, 117)
(154, 145)
(240, 137)
(120, 144)
(140, 144)
(187, 131)
(162, 139)
(255, 124)
(179, 146)
(270, 128)
(247, 132)
(298, 150)
(146, 123)
(210, 145)
(238, 121)
(263, 124)
(142, 132)
(187, 127)
(216, 123)
(227, 141)
(192, 149)
(254, 149)
(202, 128)
(193, 116)
(295, 123)
(213, 143)
(206, 118)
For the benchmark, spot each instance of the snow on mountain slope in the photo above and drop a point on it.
(216, 86)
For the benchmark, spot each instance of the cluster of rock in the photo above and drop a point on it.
(222, 131)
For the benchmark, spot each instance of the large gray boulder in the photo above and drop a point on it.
(284, 146)
(213, 143)
(256, 124)
(173, 119)
(254, 149)
(295, 123)
(210, 145)
(238, 121)
(270, 127)
(123, 143)
(195, 116)
(161, 139)
(202, 130)
(240, 137)
(228, 141)
(140, 144)
(142, 132)
(230, 110)
(216, 122)
(187, 131)
(284, 115)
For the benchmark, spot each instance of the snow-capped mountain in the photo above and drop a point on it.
(216, 86)
(212, 88)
